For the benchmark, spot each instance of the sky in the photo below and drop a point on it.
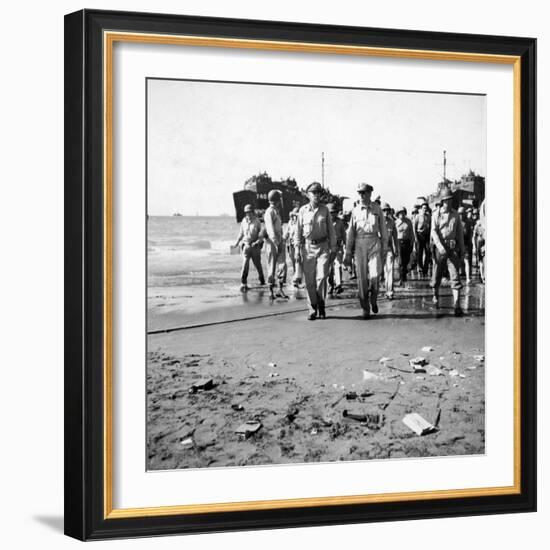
(206, 138)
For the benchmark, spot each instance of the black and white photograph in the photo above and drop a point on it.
(315, 274)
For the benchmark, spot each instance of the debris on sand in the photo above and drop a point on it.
(187, 442)
(472, 367)
(313, 431)
(417, 424)
(272, 365)
(373, 420)
(202, 384)
(351, 395)
(433, 371)
(368, 375)
(384, 359)
(237, 407)
(417, 369)
(273, 374)
(480, 358)
(418, 361)
(453, 373)
(248, 428)
(427, 349)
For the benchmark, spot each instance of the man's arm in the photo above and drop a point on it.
(383, 231)
(350, 240)
(241, 235)
(269, 225)
(460, 237)
(436, 239)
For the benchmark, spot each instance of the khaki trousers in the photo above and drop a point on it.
(368, 262)
(315, 266)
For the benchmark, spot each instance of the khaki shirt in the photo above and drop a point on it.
(392, 234)
(422, 224)
(367, 221)
(404, 229)
(273, 225)
(250, 230)
(446, 228)
(314, 224)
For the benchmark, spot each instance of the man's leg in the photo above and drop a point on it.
(453, 264)
(245, 265)
(388, 267)
(309, 268)
(321, 275)
(375, 269)
(361, 266)
(337, 266)
(439, 267)
(256, 255)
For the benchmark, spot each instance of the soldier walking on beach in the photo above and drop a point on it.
(291, 248)
(276, 254)
(337, 258)
(391, 249)
(367, 239)
(422, 230)
(251, 248)
(405, 237)
(468, 235)
(449, 249)
(315, 240)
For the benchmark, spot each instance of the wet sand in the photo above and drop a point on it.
(296, 377)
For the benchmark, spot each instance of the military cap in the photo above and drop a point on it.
(274, 195)
(364, 188)
(332, 207)
(402, 209)
(386, 206)
(445, 195)
(248, 208)
(314, 187)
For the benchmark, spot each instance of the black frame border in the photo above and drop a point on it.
(84, 253)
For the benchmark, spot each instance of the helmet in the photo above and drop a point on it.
(274, 195)
(248, 208)
(386, 206)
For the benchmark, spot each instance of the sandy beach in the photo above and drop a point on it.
(296, 378)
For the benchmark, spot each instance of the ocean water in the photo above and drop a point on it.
(191, 251)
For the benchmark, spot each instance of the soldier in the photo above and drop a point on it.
(479, 243)
(405, 239)
(276, 254)
(315, 241)
(251, 249)
(449, 248)
(336, 260)
(291, 249)
(367, 240)
(392, 249)
(422, 228)
(468, 236)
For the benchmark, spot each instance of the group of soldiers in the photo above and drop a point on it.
(320, 245)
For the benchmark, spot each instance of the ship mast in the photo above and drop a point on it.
(323, 169)
(444, 165)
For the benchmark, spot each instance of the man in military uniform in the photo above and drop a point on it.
(291, 249)
(405, 239)
(276, 254)
(367, 240)
(251, 239)
(315, 241)
(468, 236)
(449, 249)
(336, 260)
(391, 249)
(422, 229)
